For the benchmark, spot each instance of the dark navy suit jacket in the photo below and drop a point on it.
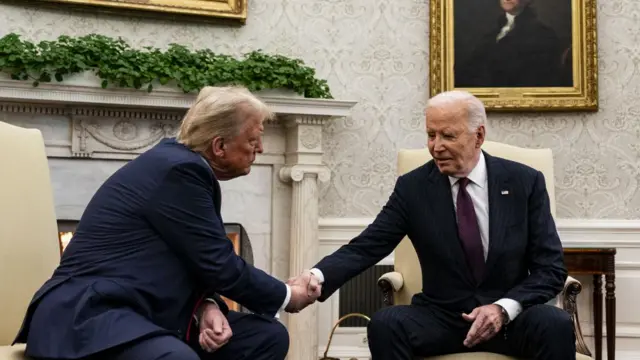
(525, 259)
(150, 243)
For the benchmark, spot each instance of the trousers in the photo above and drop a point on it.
(255, 337)
(403, 332)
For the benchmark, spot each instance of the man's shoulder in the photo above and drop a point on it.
(418, 175)
(169, 154)
(156, 163)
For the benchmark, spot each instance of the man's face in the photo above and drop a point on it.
(454, 148)
(236, 155)
(513, 6)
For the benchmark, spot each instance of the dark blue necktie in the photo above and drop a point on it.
(469, 231)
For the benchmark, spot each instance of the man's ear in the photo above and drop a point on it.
(218, 147)
(480, 135)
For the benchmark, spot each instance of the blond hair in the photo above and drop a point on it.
(219, 112)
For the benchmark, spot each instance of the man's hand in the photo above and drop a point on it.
(305, 290)
(486, 322)
(215, 331)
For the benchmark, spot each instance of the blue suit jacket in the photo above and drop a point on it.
(150, 243)
(525, 260)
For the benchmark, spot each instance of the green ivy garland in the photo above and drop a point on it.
(117, 63)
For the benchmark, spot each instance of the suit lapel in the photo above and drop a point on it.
(499, 207)
(441, 201)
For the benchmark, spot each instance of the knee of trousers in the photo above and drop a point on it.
(553, 322)
(383, 322)
(277, 338)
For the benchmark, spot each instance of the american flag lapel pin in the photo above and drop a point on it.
(504, 192)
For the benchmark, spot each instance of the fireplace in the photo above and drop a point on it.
(66, 229)
(277, 202)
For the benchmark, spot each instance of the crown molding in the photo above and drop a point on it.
(573, 232)
(84, 93)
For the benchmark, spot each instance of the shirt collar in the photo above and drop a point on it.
(510, 18)
(478, 175)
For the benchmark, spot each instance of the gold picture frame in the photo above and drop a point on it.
(224, 9)
(579, 94)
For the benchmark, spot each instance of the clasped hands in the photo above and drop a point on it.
(305, 290)
(215, 331)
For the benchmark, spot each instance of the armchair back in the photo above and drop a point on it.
(29, 245)
(405, 258)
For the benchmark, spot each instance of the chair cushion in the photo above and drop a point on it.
(12, 353)
(483, 356)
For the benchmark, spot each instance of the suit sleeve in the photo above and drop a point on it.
(183, 212)
(545, 257)
(378, 240)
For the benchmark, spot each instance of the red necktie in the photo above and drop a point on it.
(469, 231)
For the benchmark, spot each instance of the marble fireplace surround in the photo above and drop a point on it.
(90, 132)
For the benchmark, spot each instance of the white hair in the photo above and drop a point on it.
(476, 113)
(219, 111)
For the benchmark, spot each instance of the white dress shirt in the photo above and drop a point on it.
(478, 190)
(507, 27)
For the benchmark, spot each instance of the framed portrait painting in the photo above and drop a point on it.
(516, 55)
(235, 10)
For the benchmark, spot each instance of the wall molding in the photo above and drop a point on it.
(573, 232)
(620, 234)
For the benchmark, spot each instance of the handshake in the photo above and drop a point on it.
(305, 290)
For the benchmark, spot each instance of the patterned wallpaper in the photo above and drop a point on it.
(375, 52)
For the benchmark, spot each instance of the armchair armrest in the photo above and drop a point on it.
(567, 300)
(388, 284)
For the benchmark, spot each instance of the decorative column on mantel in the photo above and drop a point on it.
(304, 169)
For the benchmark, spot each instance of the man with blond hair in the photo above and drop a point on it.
(143, 275)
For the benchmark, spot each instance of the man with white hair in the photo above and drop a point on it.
(143, 275)
(487, 244)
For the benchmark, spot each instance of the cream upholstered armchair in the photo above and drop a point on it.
(399, 286)
(29, 246)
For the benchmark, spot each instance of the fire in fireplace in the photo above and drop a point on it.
(66, 228)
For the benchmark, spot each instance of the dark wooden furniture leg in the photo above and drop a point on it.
(611, 315)
(597, 315)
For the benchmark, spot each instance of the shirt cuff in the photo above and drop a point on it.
(317, 273)
(286, 301)
(198, 314)
(213, 301)
(512, 307)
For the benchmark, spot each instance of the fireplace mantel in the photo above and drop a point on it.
(81, 92)
(89, 132)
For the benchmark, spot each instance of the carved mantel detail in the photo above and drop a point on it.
(296, 173)
(117, 137)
